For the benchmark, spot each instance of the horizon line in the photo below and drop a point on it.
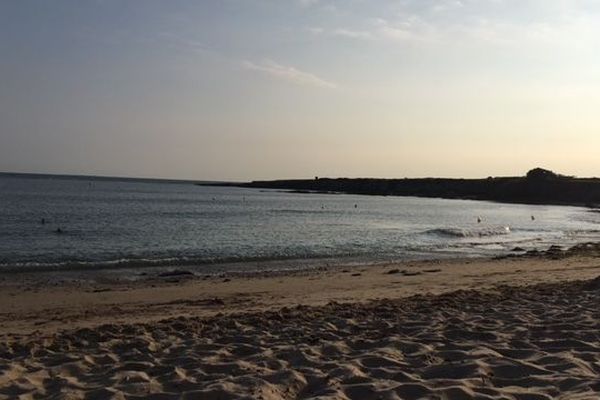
(179, 180)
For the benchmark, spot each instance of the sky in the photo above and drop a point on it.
(264, 89)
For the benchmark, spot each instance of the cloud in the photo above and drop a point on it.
(380, 29)
(353, 34)
(543, 25)
(411, 28)
(308, 3)
(288, 73)
(315, 30)
(444, 6)
(182, 43)
(540, 25)
(342, 32)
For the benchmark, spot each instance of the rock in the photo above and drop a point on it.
(515, 249)
(176, 272)
(540, 174)
(393, 271)
(216, 301)
(594, 284)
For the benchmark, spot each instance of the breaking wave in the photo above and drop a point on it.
(468, 233)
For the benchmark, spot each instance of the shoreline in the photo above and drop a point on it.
(46, 302)
(262, 267)
(278, 265)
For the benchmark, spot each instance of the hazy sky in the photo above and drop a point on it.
(244, 89)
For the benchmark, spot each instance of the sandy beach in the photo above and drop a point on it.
(512, 328)
(299, 200)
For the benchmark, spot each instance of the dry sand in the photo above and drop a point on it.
(522, 328)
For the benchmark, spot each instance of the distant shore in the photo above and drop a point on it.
(539, 186)
(100, 178)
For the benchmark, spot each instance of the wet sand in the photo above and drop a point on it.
(516, 328)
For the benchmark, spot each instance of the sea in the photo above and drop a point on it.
(50, 223)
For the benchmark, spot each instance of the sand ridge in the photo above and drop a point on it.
(535, 342)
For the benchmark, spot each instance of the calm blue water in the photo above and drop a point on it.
(109, 223)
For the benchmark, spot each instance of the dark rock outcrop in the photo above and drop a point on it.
(539, 186)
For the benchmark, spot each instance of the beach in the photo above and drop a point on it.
(506, 328)
(299, 200)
